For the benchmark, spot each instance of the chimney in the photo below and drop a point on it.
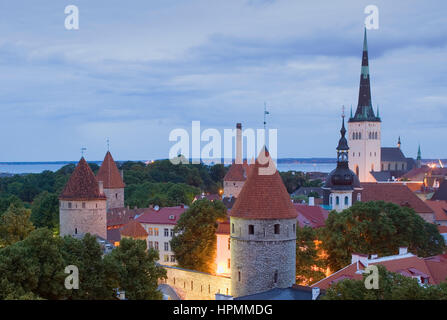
(403, 250)
(101, 187)
(358, 257)
(374, 256)
(311, 201)
(315, 293)
(239, 143)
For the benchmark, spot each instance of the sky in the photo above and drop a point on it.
(136, 70)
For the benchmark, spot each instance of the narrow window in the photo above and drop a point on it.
(275, 277)
(239, 276)
(251, 229)
(229, 263)
(156, 245)
(232, 228)
(209, 288)
(359, 196)
(76, 230)
(346, 201)
(276, 228)
(69, 205)
(229, 243)
(294, 228)
(166, 246)
(166, 232)
(83, 205)
(192, 285)
(337, 200)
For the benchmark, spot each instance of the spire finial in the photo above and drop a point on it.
(399, 143)
(108, 144)
(265, 114)
(365, 42)
(82, 151)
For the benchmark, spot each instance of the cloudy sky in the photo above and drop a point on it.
(135, 70)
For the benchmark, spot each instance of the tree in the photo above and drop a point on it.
(310, 262)
(194, 242)
(137, 272)
(377, 228)
(392, 286)
(45, 210)
(95, 278)
(15, 225)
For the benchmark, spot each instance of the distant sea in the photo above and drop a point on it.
(8, 168)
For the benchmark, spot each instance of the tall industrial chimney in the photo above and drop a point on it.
(239, 143)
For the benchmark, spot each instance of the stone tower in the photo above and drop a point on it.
(112, 181)
(342, 187)
(364, 128)
(263, 234)
(82, 204)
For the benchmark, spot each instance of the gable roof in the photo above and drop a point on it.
(392, 155)
(109, 174)
(439, 208)
(263, 196)
(133, 229)
(82, 184)
(166, 215)
(396, 193)
(121, 216)
(311, 216)
(441, 193)
(237, 172)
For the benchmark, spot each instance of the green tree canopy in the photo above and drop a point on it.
(15, 225)
(194, 242)
(45, 210)
(309, 260)
(377, 228)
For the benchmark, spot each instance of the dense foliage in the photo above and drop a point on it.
(296, 179)
(392, 286)
(377, 228)
(194, 242)
(34, 268)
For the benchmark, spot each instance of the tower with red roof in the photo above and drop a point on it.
(112, 181)
(82, 207)
(263, 233)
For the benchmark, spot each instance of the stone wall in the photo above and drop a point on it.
(80, 217)
(115, 198)
(263, 260)
(194, 285)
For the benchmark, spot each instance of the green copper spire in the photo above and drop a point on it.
(365, 41)
(351, 110)
(419, 153)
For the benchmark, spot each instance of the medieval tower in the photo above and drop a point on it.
(112, 182)
(263, 233)
(364, 128)
(82, 204)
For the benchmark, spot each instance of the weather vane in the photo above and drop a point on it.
(343, 111)
(108, 144)
(82, 151)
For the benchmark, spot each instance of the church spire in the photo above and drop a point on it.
(342, 148)
(419, 153)
(365, 110)
(399, 143)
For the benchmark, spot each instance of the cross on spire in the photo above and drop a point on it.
(108, 144)
(82, 151)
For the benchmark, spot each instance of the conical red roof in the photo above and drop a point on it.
(133, 229)
(109, 173)
(82, 184)
(263, 196)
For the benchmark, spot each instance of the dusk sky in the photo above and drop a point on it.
(135, 70)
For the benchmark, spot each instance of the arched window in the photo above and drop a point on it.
(359, 196)
(330, 200)
(337, 200)
(346, 201)
(357, 170)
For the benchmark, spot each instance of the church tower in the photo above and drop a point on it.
(342, 187)
(263, 233)
(112, 181)
(419, 158)
(82, 204)
(364, 128)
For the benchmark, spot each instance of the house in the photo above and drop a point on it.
(398, 194)
(431, 270)
(310, 216)
(159, 224)
(439, 208)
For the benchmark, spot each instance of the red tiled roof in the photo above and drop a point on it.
(442, 229)
(223, 227)
(167, 215)
(263, 196)
(441, 193)
(395, 193)
(310, 216)
(439, 208)
(434, 267)
(417, 173)
(133, 229)
(237, 172)
(82, 184)
(109, 174)
(121, 216)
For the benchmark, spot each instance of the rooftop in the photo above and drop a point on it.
(166, 215)
(109, 174)
(134, 230)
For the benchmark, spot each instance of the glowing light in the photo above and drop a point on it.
(220, 269)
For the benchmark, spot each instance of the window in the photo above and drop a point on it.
(403, 167)
(69, 205)
(149, 231)
(172, 233)
(337, 200)
(116, 195)
(232, 228)
(166, 232)
(346, 201)
(229, 263)
(360, 136)
(229, 243)
(239, 276)
(276, 227)
(155, 231)
(166, 258)
(330, 200)
(156, 245)
(83, 205)
(294, 228)
(359, 196)
(166, 246)
(172, 258)
(275, 276)
(389, 166)
(251, 229)
(76, 230)
(192, 285)
(151, 244)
